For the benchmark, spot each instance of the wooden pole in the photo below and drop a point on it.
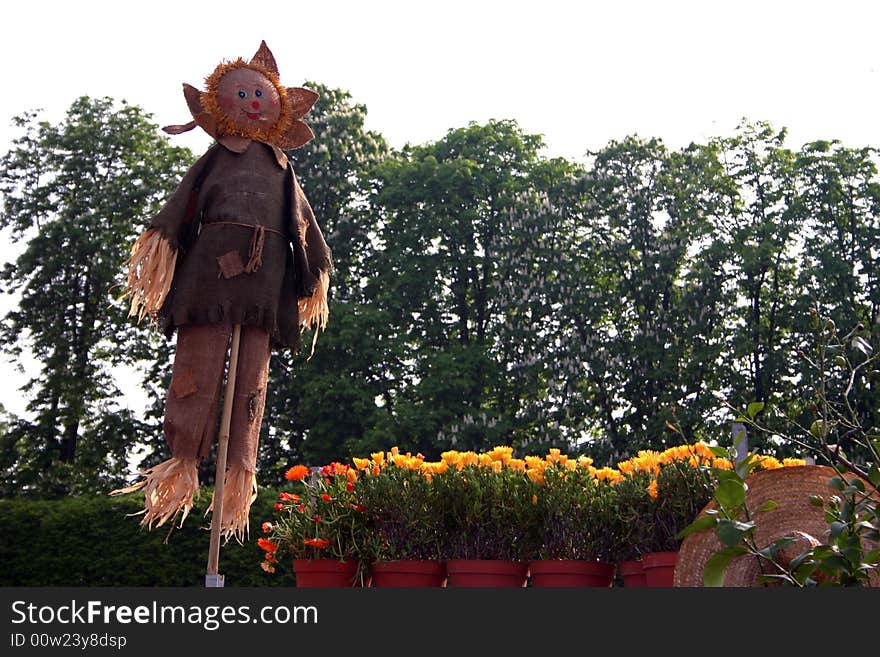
(212, 578)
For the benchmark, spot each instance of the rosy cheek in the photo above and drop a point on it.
(226, 102)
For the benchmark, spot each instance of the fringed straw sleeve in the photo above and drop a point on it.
(239, 493)
(314, 310)
(169, 489)
(150, 272)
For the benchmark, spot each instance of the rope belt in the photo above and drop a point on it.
(255, 252)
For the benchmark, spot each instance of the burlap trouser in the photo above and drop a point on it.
(193, 401)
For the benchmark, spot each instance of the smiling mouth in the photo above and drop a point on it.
(255, 117)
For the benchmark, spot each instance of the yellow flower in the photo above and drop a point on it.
(652, 489)
(361, 464)
(517, 464)
(608, 474)
(451, 457)
(469, 458)
(496, 466)
(485, 461)
(378, 458)
(648, 461)
(501, 453)
(627, 467)
(536, 476)
(553, 456)
(789, 462)
(535, 462)
(584, 461)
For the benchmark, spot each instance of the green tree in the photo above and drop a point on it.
(75, 193)
(317, 408)
(459, 222)
(761, 238)
(838, 206)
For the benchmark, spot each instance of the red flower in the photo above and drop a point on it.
(301, 508)
(326, 497)
(349, 486)
(267, 545)
(316, 542)
(279, 506)
(297, 473)
(316, 518)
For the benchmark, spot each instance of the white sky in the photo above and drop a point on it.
(580, 73)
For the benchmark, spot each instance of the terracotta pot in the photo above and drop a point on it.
(486, 573)
(408, 573)
(659, 568)
(632, 573)
(570, 572)
(324, 573)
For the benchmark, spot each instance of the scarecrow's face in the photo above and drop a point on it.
(249, 100)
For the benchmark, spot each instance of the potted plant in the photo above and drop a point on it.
(320, 525)
(404, 538)
(488, 518)
(573, 503)
(659, 494)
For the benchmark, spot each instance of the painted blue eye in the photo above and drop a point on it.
(258, 93)
(242, 94)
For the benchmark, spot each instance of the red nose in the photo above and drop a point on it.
(255, 105)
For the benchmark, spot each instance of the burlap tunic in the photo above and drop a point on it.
(230, 211)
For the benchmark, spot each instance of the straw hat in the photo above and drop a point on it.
(790, 488)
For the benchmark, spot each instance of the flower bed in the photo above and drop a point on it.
(467, 505)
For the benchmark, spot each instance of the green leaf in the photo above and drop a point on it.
(769, 505)
(835, 529)
(816, 500)
(731, 494)
(720, 452)
(872, 557)
(700, 524)
(724, 475)
(754, 408)
(716, 565)
(817, 428)
(729, 532)
(874, 476)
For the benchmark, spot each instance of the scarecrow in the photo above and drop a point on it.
(236, 262)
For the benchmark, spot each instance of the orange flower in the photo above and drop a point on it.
(326, 497)
(267, 527)
(269, 568)
(319, 543)
(297, 473)
(652, 489)
(267, 545)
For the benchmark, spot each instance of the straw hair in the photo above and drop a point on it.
(274, 133)
(790, 488)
